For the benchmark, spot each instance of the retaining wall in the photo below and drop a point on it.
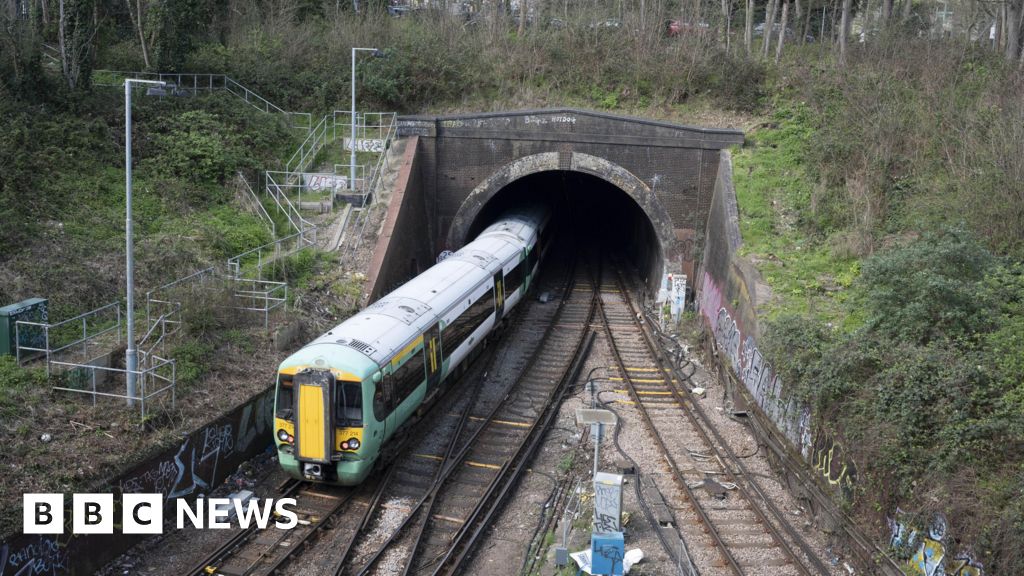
(811, 462)
(198, 464)
(403, 248)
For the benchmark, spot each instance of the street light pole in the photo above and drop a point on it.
(352, 140)
(131, 354)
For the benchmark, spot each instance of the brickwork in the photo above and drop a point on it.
(669, 169)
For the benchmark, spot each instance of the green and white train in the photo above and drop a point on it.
(343, 396)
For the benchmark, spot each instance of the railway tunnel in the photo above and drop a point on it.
(645, 185)
(586, 209)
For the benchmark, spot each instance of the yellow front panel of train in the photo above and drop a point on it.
(312, 441)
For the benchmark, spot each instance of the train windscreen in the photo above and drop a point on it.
(349, 404)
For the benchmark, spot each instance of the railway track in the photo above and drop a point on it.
(255, 552)
(746, 531)
(496, 440)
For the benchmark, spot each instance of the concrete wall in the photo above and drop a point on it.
(198, 464)
(404, 247)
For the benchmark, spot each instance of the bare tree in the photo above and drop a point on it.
(782, 32)
(844, 31)
(748, 27)
(76, 29)
(1014, 21)
(725, 22)
(769, 25)
(138, 19)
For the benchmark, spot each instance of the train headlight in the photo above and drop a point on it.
(282, 435)
(344, 445)
(353, 443)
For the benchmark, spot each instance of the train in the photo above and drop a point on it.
(341, 398)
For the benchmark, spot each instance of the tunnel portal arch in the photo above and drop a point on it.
(616, 175)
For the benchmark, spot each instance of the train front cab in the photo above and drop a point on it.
(320, 432)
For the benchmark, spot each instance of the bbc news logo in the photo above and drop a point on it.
(144, 513)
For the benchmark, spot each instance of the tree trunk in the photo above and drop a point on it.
(1013, 23)
(65, 61)
(807, 23)
(782, 32)
(769, 25)
(137, 21)
(798, 18)
(522, 17)
(886, 12)
(725, 22)
(907, 5)
(844, 31)
(748, 27)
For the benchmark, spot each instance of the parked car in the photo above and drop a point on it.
(607, 24)
(399, 10)
(677, 27)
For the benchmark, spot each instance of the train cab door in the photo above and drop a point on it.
(499, 295)
(314, 426)
(432, 348)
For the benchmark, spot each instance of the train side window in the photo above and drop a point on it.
(381, 407)
(459, 330)
(514, 278)
(531, 259)
(409, 376)
(285, 399)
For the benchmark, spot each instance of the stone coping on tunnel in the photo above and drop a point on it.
(568, 124)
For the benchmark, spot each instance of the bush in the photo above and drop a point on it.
(929, 289)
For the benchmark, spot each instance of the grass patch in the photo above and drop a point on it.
(774, 193)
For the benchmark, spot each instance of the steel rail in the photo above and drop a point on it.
(495, 496)
(489, 504)
(369, 564)
(684, 403)
(677, 475)
(451, 458)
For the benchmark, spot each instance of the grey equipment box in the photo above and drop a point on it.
(31, 310)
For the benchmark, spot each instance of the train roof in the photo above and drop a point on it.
(388, 325)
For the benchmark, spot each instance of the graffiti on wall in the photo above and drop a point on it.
(199, 463)
(44, 555)
(829, 459)
(194, 467)
(794, 420)
(925, 551)
(742, 354)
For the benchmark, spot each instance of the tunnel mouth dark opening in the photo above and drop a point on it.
(587, 209)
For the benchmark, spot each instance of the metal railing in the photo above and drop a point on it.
(257, 204)
(310, 147)
(261, 296)
(83, 330)
(83, 377)
(269, 253)
(193, 83)
(316, 187)
(276, 192)
(160, 299)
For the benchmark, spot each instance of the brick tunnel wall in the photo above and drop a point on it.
(678, 163)
(683, 179)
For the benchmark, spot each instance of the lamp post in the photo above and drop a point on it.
(352, 140)
(131, 354)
